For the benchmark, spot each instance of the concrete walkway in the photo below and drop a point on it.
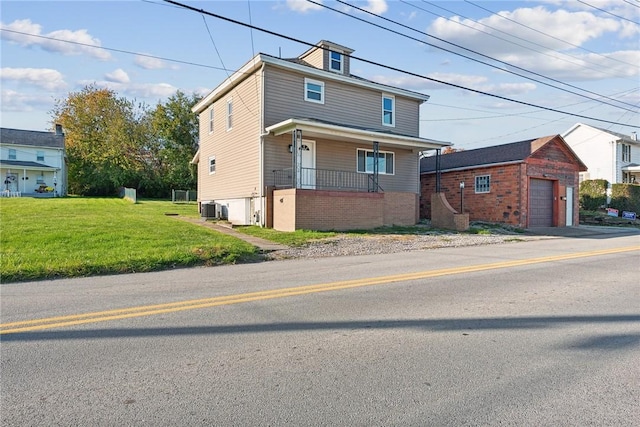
(262, 244)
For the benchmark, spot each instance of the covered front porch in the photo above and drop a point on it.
(28, 179)
(342, 177)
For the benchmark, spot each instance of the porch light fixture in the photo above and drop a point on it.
(303, 147)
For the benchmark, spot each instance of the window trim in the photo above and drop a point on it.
(479, 189)
(211, 115)
(340, 61)
(393, 110)
(229, 114)
(384, 153)
(308, 81)
(13, 154)
(212, 158)
(40, 158)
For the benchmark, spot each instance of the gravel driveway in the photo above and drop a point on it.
(353, 244)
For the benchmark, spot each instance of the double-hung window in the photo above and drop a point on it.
(483, 183)
(211, 119)
(366, 162)
(626, 152)
(336, 61)
(212, 165)
(229, 114)
(388, 110)
(12, 154)
(314, 91)
(39, 156)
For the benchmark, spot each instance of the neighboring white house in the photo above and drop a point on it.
(32, 163)
(607, 155)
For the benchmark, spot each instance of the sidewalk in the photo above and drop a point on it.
(583, 231)
(262, 244)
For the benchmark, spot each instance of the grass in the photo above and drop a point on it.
(71, 237)
(295, 238)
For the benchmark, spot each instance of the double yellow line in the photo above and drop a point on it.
(149, 310)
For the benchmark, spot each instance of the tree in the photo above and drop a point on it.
(105, 138)
(174, 130)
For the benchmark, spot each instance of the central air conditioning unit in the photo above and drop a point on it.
(209, 210)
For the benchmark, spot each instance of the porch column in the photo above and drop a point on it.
(437, 170)
(24, 180)
(376, 167)
(296, 157)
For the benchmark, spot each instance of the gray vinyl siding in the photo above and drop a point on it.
(344, 104)
(337, 155)
(236, 151)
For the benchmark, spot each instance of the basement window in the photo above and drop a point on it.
(483, 183)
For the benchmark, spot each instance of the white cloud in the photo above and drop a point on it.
(551, 44)
(150, 63)
(13, 101)
(42, 77)
(303, 6)
(118, 76)
(79, 42)
(377, 7)
(135, 90)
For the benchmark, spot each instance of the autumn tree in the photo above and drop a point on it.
(174, 141)
(105, 139)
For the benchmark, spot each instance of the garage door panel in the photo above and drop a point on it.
(540, 203)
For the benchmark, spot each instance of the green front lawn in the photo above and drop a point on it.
(69, 237)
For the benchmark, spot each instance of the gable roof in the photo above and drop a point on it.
(515, 152)
(31, 138)
(298, 64)
(618, 136)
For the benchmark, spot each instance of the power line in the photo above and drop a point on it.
(385, 66)
(544, 34)
(470, 58)
(128, 52)
(607, 12)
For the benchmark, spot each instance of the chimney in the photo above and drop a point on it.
(59, 129)
(634, 135)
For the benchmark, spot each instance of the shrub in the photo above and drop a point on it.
(625, 197)
(593, 194)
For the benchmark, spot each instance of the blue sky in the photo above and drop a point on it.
(146, 50)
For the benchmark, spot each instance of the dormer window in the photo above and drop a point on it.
(336, 61)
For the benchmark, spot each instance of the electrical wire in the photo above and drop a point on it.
(234, 21)
(541, 32)
(472, 51)
(607, 12)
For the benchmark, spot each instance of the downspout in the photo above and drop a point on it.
(263, 201)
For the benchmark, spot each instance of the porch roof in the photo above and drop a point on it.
(329, 130)
(633, 167)
(8, 164)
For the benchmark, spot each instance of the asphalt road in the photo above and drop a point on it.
(543, 333)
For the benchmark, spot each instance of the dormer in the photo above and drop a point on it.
(329, 56)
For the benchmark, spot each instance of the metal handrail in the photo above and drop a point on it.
(325, 179)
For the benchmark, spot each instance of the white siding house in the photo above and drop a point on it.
(32, 163)
(607, 155)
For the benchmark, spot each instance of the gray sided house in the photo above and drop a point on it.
(33, 163)
(532, 183)
(302, 143)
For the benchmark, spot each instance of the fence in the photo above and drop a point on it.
(184, 196)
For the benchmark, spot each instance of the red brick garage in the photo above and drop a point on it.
(522, 184)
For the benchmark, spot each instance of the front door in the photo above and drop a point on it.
(569, 210)
(308, 164)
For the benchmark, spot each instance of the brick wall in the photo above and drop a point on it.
(508, 200)
(501, 204)
(341, 210)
